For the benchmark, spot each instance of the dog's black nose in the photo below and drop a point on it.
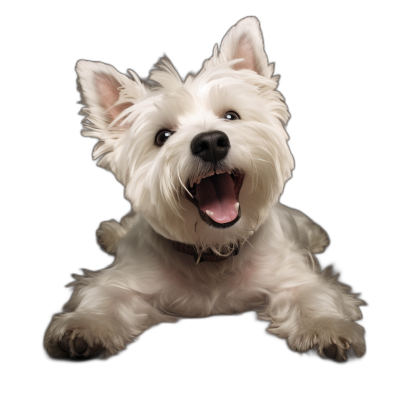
(211, 146)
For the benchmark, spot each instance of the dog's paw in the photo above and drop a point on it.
(332, 337)
(70, 337)
(70, 345)
(73, 346)
(108, 235)
(318, 239)
(336, 351)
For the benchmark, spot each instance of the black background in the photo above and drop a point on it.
(321, 55)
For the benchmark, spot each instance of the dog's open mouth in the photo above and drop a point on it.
(217, 197)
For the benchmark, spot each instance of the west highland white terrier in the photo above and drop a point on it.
(203, 162)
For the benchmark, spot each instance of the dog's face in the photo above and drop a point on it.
(202, 160)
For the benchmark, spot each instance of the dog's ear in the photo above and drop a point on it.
(106, 93)
(244, 41)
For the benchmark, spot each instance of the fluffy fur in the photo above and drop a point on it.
(275, 271)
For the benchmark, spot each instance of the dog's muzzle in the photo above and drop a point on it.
(216, 192)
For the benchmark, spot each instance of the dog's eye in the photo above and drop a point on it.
(231, 115)
(162, 137)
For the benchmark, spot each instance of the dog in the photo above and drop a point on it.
(203, 162)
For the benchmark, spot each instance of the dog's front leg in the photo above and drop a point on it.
(311, 308)
(103, 315)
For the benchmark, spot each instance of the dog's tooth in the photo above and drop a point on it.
(209, 213)
(237, 207)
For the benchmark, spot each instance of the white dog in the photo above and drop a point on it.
(203, 162)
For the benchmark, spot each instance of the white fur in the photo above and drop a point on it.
(275, 271)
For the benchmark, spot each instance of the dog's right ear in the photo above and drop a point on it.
(106, 94)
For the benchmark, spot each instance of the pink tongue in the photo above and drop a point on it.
(217, 195)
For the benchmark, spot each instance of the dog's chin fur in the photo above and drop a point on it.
(150, 279)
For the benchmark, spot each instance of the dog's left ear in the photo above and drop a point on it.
(244, 40)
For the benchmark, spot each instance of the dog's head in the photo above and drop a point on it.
(204, 159)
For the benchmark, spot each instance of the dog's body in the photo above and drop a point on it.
(203, 163)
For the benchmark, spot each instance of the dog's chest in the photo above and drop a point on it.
(209, 289)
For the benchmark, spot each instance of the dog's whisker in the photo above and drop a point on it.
(260, 159)
(180, 180)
